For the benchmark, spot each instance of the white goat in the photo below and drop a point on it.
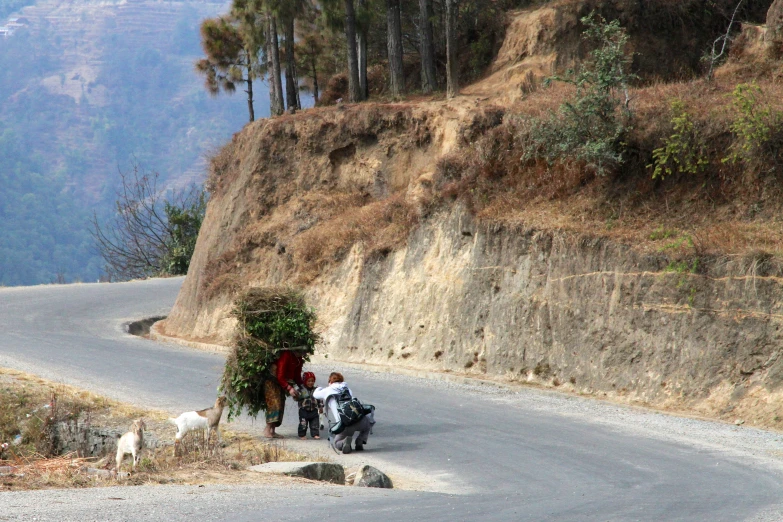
(132, 442)
(208, 419)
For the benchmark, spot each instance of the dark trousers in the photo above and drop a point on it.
(308, 417)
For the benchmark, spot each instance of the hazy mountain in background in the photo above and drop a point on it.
(87, 88)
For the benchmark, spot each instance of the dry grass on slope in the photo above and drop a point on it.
(323, 181)
(725, 209)
(381, 227)
(313, 206)
(313, 185)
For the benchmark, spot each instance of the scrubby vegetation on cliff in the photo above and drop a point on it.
(694, 156)
(707, 165)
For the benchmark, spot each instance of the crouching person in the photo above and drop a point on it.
(335, 396)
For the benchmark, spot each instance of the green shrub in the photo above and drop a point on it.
(663, 233)
(184, 222)
(683, 267)
(589, 127)
(683, 150)
(683, 241)
(270, 320)
(753, 127)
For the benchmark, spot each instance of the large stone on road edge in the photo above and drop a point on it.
(370, 477)
(323, 471)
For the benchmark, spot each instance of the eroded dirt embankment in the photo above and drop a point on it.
(421, 243)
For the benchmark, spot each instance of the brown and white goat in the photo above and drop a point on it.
(207, 419)
(132, 442)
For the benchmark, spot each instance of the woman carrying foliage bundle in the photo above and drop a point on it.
(288, 370)
(274, 338)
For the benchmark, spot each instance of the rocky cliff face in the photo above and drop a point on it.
(575, 312)
(579, 313)
(347, 203)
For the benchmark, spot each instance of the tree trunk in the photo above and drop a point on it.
(394, 48)
(249, 91)
(272, 93)
(291, 81)
(268, 53)
(428, 81)
(452, 82)
(276, 84)
(362, 45)
(316, 94)
(354, 87)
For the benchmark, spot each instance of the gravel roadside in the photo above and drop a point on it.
(752, 446)
(762, 446)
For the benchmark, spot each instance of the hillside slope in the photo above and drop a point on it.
(423, 241)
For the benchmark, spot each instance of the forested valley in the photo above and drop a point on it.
(87, 91)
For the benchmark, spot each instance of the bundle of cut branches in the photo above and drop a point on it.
(269, 320)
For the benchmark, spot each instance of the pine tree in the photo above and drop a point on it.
(231, 56)
(289, 12)
(362, 22)
(355, 93)
(309, 51)
(452, 84)
(273, 65)
(427, 47)
(394, 48)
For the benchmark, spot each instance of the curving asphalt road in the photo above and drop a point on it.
(474, 452)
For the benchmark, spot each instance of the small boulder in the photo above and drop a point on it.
(323, 471)
(7, 470)
(370, 477)
(107, 473)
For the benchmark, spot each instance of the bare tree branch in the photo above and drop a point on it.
(722, 40)
(152, 231)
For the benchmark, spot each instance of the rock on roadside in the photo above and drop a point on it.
(323, 471)
(370, 477)
(107, 473)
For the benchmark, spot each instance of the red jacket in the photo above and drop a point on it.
(289, 368)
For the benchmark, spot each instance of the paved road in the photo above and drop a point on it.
(481, 453)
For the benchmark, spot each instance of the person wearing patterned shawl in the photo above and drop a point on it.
(288, 375)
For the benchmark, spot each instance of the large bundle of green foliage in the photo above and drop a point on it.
(270, 320)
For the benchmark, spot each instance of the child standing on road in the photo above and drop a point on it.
(309, 408)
